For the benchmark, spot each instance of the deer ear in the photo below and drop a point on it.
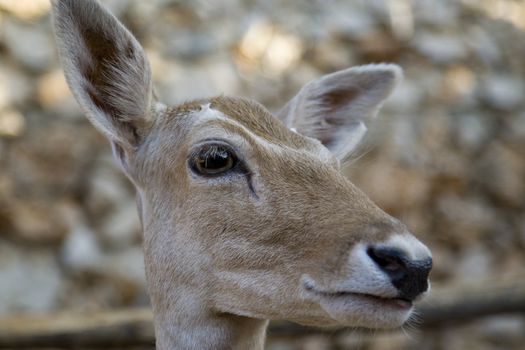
(106, 69)
(336, 108)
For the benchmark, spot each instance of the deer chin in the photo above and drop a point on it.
(356, 309)
(368, 311)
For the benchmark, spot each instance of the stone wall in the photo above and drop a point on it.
(447, 155)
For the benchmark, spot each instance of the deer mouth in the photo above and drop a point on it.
(394, 302)
(361, 309)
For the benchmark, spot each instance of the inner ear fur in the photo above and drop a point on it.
(336, 108)
(106, 69)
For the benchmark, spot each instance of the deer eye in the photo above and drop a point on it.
(213, 160)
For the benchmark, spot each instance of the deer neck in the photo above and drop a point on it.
(183, 317)
(177, 329)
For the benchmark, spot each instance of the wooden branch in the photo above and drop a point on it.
(133, 327)
(111, 329)
(464, 303)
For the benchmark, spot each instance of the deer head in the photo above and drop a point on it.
(246, 215)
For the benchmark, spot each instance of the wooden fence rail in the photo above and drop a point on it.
(133, 327)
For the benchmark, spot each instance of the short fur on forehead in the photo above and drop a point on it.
(258, 120)
(248, 113)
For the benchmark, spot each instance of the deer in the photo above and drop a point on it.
(246, 215)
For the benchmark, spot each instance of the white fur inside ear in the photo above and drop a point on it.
(348, 140)
(294, 130)
(336, 108)
(105, 68)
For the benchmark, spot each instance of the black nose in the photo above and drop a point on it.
(410, 277)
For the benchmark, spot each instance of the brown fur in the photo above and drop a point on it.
(307, 223)
(226, 254)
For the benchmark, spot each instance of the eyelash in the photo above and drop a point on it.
(211, 150)
(208, 151)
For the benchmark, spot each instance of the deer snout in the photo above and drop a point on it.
(409, 276)
(381, 278)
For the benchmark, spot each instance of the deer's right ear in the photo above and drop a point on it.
(106, 69)
(336, 108)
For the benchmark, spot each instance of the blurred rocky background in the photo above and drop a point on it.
(447, 155)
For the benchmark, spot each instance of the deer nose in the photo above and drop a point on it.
(410, 277)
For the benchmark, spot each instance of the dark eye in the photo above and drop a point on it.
(213, 160)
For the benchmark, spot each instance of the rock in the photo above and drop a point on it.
(521, 231)
(121, 229)
(331, 55)
(506, 332)
(29, 45)
(379, 46)
(444, 260)
(516, 127)
(54, 95)
(127, 265)
(351, 22)
(406, 97)
(15, 88)
(459, 87)
(432, 83)
(35, 221)
(208, 78)
(501, 171)
(26, 9)
(12, 123)
(223, 76)
(51, 158)
(269, 48)
(503, 91)
(474, 264)
(392, 186)
(31, 279)
(473, 131)
(440, 48)
(6, 185)
(484, 45)
(182, 83)
(275, 94)
(118, 7)
(444, 14)
(82, 255)
(80, 252)
(470, 217)
(399, 134)
(107, 189)
(190, 45)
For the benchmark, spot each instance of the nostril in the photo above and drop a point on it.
(388, 259)
(410, 277)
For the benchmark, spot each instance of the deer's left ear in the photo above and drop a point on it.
(106, 69)
(336, 108)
